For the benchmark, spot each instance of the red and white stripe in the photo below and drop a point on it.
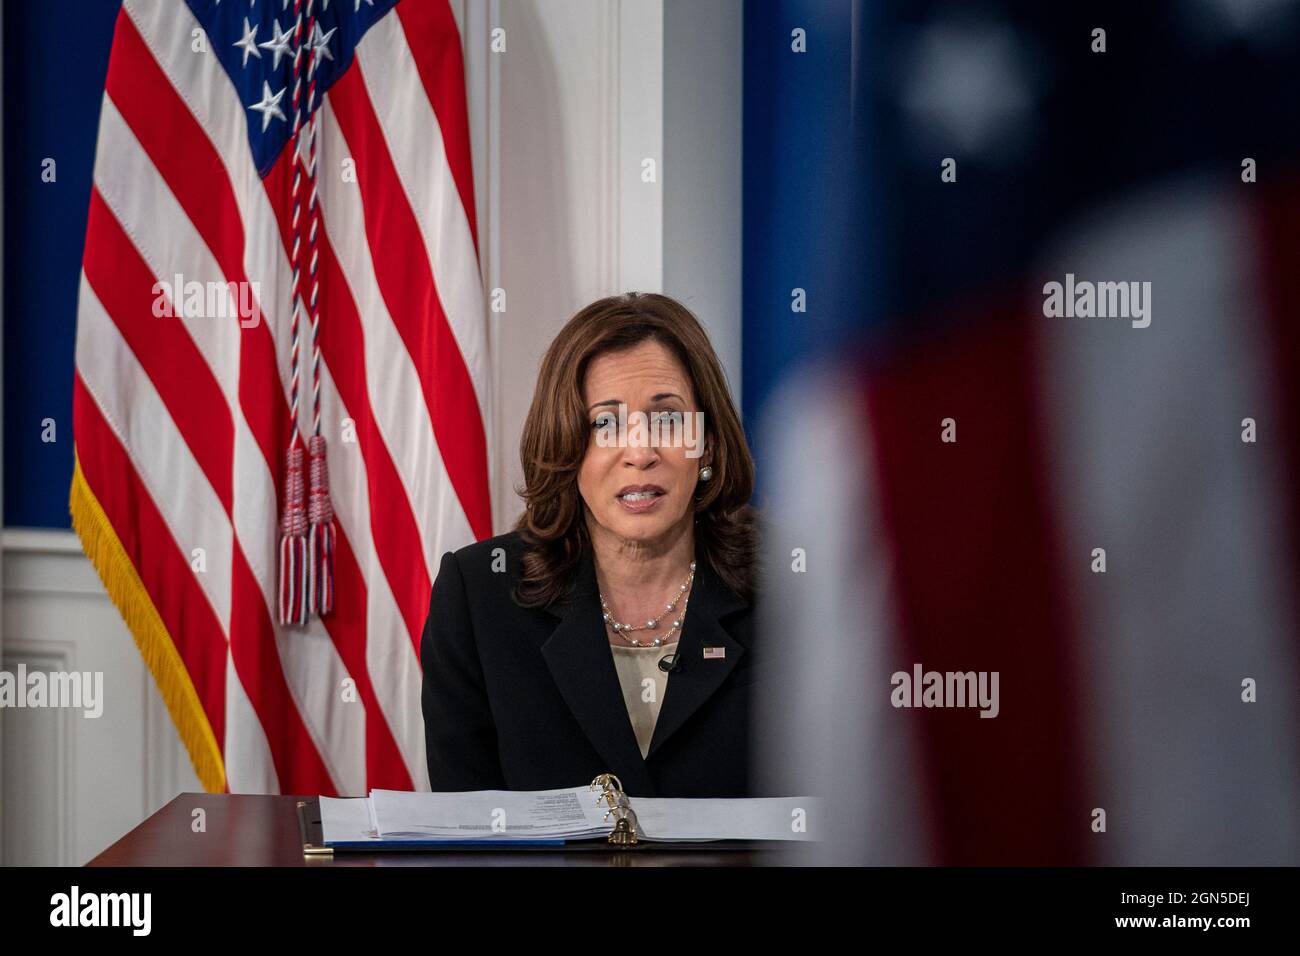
(181, 423)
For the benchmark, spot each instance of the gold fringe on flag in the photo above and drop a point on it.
(105, 551)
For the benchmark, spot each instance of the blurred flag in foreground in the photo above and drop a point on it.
(1048, 505)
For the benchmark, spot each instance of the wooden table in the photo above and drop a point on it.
(262, 830)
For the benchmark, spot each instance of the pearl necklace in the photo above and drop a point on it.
(622, 629)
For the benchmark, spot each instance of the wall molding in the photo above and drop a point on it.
(61, 824)
(49, 562)
(609, 260)
(638, 76)
(40, 541)
(476, 20)
(109, 773)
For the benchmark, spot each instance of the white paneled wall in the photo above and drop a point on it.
(73, 784)
(561, 124)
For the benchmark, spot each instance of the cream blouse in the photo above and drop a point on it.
(643, 686)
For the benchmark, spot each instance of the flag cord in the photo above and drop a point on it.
(320, 541)
(307, 533)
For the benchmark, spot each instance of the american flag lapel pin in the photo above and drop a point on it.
(714, 653)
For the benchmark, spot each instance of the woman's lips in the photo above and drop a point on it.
(639, 504)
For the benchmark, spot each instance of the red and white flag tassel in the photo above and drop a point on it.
(293, 542)
(321, 533)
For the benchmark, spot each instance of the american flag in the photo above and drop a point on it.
(1101, 510)
(252, 148)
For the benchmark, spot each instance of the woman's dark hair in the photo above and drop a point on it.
(556, 436)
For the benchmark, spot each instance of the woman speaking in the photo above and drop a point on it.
(612, 630)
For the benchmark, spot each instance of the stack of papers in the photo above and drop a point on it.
(557, 816)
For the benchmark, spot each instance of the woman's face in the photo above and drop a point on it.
(647, 378)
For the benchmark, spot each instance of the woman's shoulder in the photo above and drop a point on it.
(491, 563)
(501, 546)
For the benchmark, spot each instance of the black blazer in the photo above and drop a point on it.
(528, 698)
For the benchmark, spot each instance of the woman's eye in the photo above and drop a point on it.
(671, 417)
(604, 421)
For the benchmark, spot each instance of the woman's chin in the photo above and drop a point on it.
(642, 528)
(639, 529)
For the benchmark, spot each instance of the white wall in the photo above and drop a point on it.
(71, 784)
(703, 109)
(587, 89)
(560, 124)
